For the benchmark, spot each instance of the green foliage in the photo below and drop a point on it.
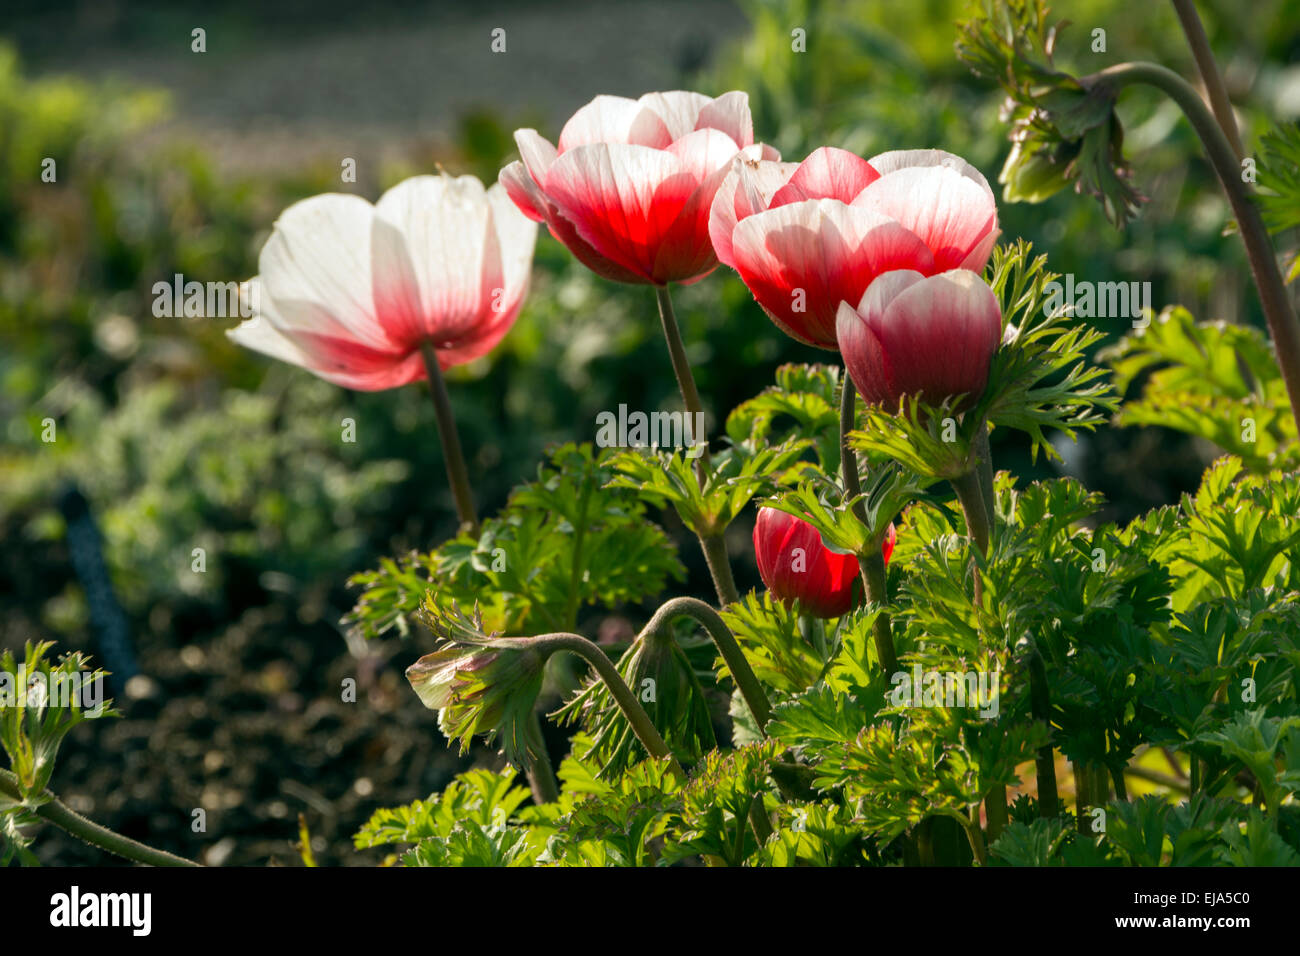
(661, 674)
(1041, 378)
(774, 642)
(717, 803)
(807, 396)
(1062, 130)
(1214, 380)
(1279, 181)
(571, 538)
(729, 481)
(468, 824)
(41, 702)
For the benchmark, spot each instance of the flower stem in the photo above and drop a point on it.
(750, 689)
(713, 545)
(642, 725)
(871, 566)
(56, 812)
(1282, 321)
(970, 489)
(1209, 70)
(972, 505)
(541, 776)
(715, 555)
(677, 353)
(457, 474)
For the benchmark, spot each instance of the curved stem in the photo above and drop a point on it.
(1282, 322)
(1209, 70)
(750, 689)
(457, 473)
(642, 725)
(58, 813)
(871, 566)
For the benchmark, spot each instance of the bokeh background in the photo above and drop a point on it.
(170, 161)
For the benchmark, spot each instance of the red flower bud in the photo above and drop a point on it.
(796, 566)
(910, 335)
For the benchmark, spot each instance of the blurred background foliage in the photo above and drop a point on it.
(179, 440)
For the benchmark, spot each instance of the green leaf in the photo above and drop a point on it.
(481, 797)
(1035, 844)
(1214, 380)
(804, 396)
(563, 542)
(1040, 378)
(733, 477)
(41, 702)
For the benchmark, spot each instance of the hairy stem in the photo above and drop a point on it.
(978, 525)
(56, 812)
(871, 566)
(985, 471)
(1121, 789)
(1283, 324)
(677, 353)
(457, 473)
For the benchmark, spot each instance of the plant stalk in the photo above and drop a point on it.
(642, 725)
(713, 545)
(871, 566)
(1209, 70)
(976, 505)
(457, 473)
(58, 813)
(750, 689)
(1283, 324)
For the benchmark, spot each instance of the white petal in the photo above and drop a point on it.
(729, 113)
(896, 159)
(436, 258)
(614, 119)
(315, 269)
(678, 109)
(516, 236)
